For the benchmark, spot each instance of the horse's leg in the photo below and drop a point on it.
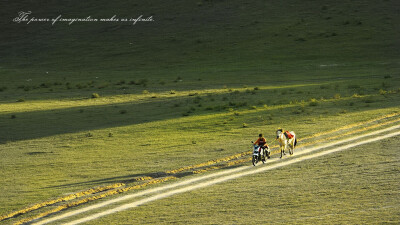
(291, 148)
(283, 151)
(285, 146)
(294, 142)
(282, 145)
(294, 145)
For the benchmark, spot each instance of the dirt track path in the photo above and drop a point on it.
(116, 205)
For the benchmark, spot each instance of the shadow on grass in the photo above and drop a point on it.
(39, 124)
(131, 179)
(114, 89)
(118, 179)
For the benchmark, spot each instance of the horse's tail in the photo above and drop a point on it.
(295, 141)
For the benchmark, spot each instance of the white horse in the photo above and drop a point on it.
(285, 141)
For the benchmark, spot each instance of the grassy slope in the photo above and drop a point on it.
(220, 50)
(356, 186)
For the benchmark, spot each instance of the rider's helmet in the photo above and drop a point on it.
(260, 135)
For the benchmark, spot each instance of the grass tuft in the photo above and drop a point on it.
(95, 95)
(313, 102)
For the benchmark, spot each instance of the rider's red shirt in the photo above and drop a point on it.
(261, 142)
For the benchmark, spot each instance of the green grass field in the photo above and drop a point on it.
(353, 187)
(87, 105)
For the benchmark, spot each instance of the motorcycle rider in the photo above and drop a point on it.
(262, 142)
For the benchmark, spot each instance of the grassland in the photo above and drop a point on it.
(89, 105)
(352, 187)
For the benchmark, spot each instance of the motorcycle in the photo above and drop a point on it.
(259, 154)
